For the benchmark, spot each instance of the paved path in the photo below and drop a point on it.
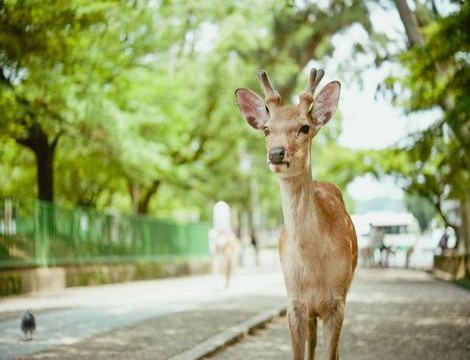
(156, 310)
(391, 315)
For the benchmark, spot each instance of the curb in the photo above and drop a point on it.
(230, 336)
(442, 275)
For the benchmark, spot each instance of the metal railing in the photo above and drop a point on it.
(36, 233)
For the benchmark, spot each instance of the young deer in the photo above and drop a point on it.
(317, 245)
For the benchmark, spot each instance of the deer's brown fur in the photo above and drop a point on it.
(317, 245)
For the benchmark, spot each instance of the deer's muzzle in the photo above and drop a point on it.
(276, 155)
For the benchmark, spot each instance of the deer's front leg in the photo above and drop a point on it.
(311, 337)
(333, 325)
(297, 319)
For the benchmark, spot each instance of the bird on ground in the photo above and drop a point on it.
(28, 324)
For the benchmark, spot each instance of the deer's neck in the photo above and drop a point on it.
(298, 203)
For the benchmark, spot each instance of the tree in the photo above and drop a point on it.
(57, 61)
(203, 135)
(420, 207)
(16, 170)
(438, 75)
(127, 101)
(36, 49)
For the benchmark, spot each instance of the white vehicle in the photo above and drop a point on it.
(401, 229)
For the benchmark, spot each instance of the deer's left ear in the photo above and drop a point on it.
(325, 104)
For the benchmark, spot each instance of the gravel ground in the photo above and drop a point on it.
(391, 315)
(165, 336)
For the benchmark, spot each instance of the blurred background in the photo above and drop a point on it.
(119, 129)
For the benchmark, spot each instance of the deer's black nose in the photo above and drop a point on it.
(276, 155)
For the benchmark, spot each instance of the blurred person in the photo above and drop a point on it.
(377, 236)
(409, 253)
(223, 243)
(443, 241)
(224, 249)
(254, 243)
(366, 251)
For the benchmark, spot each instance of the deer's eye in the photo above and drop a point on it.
(305, 129)
(266, 131)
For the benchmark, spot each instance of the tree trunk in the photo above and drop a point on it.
(408, 19)
(45, 172)
(144, 202)
(141, 196)
(415, 38)
(465, 227)
(37, 141)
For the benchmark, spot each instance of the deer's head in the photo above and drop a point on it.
(289, 129)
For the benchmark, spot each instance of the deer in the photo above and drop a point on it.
(317, 244)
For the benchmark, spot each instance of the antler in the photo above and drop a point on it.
(314, 80)
(306, 98)
(272, 97)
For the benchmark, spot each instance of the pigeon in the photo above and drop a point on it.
(28, 324)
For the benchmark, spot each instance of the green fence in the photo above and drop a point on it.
(41, 234)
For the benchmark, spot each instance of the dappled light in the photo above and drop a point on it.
(159, 160)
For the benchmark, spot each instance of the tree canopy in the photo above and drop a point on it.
(129, 104)
(119, 100)
(434, 163)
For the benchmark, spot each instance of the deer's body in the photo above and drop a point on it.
(317, 246)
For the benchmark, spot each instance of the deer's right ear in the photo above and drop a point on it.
(252, 108)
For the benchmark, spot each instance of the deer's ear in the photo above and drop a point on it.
(325, 104)
(252, 108)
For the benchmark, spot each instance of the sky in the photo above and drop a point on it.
(370, 123)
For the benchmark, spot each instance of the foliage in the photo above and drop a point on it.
(434, 163)
(129, 104)
(423, 211)
(53, 70)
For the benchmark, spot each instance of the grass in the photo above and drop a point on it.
(465, 283)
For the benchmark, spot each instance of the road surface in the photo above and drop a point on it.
(390, 314)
